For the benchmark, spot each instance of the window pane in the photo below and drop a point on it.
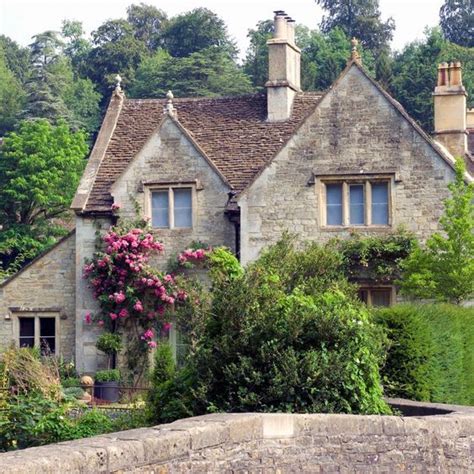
(356, 201)
(183, 213)
(334, 204)
(381, 297)
(27, 332)
(159, 209)
(380, 203)
(47, 335)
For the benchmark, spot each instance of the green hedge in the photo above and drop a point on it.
(431, 352)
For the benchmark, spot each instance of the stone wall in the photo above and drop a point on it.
(267, 443)
(44, 287)
(355, 131)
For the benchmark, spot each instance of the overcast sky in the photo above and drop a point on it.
(20, 19)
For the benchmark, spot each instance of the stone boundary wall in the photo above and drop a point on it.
(268, 443)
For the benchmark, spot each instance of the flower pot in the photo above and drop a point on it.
(109, 391)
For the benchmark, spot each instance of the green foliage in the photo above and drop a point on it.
(359, 19)
(75, 393)
(415, 72)
(376, 258)
(11, 96)
(109, 375)
(456, 18)
(444, 268)
(40, 166)
(147, 22)
(429, 352)
(109, 343)
(285, 335)
(69, 382)
(197, 30)
(164, 365)
(205, 73)
(224, 265)
(91, 423)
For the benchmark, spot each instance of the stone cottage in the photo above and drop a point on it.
(239, 171)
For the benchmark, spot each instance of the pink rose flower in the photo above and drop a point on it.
(113, 316)
(88, 318)
(151, 344)
(138, 306)
(123, 313)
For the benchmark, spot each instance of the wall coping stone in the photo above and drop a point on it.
(145, 449)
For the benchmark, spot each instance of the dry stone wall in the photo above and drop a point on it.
(266, 443)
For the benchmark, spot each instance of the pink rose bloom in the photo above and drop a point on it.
(113, 316)
(166, 326)
(123, 313)
(119, 297)
(88, 318)
(100, 323)
(168, 278)
(138, 306)
(151, 344)
(148, 334)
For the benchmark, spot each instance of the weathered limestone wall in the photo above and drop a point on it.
(86, 355)
(270, 443)
(157, 162)
(354, 131)
(45, 287)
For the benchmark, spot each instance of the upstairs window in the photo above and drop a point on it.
(357, 203)
(172, 208)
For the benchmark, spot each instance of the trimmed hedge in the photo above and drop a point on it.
(431, 352)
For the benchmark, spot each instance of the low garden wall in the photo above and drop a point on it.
(441, 442)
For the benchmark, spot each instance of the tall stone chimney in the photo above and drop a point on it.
(283, 68)
(450, 124)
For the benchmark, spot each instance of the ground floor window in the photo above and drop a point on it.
(377, 296)
(40, 331)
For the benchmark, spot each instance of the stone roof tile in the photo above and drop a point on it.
(232, 131)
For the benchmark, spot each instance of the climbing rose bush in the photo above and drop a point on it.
(129, 291)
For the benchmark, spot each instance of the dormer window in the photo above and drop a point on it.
(172, 207)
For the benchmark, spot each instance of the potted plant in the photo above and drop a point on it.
(107, 381)
(107, 385)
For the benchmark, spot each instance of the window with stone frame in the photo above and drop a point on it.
(171, 207)
(37, 330)
(356, 202)
(377, 295)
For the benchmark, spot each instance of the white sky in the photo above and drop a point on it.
(20, 19)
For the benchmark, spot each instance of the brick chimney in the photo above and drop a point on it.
(450, 123)
(283, 68)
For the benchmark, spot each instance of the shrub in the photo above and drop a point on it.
(74, 392)
(430, 354)
(71, 382)
(91, 423)
(286, 334)
(110, 375)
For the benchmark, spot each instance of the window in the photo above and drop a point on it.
(37, 331)
(357, 202)
(172, 208)
(377, 296)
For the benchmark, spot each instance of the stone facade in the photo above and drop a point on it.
(267, 443)
(354, 132)
(169, 158)
(46, 287)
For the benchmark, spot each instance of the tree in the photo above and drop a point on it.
(197, 30)
(456, 18)
(17, 58)
(444, 268)
(40, 166)
(415, 72)
(11, 97)
(47, 79)
(116, 50)
(147, 22)
(360, 19)
(204, 73)
(76, 47)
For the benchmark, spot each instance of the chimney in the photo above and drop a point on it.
(283, 68)
(450, 125)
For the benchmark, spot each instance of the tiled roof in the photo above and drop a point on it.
(232, 131)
